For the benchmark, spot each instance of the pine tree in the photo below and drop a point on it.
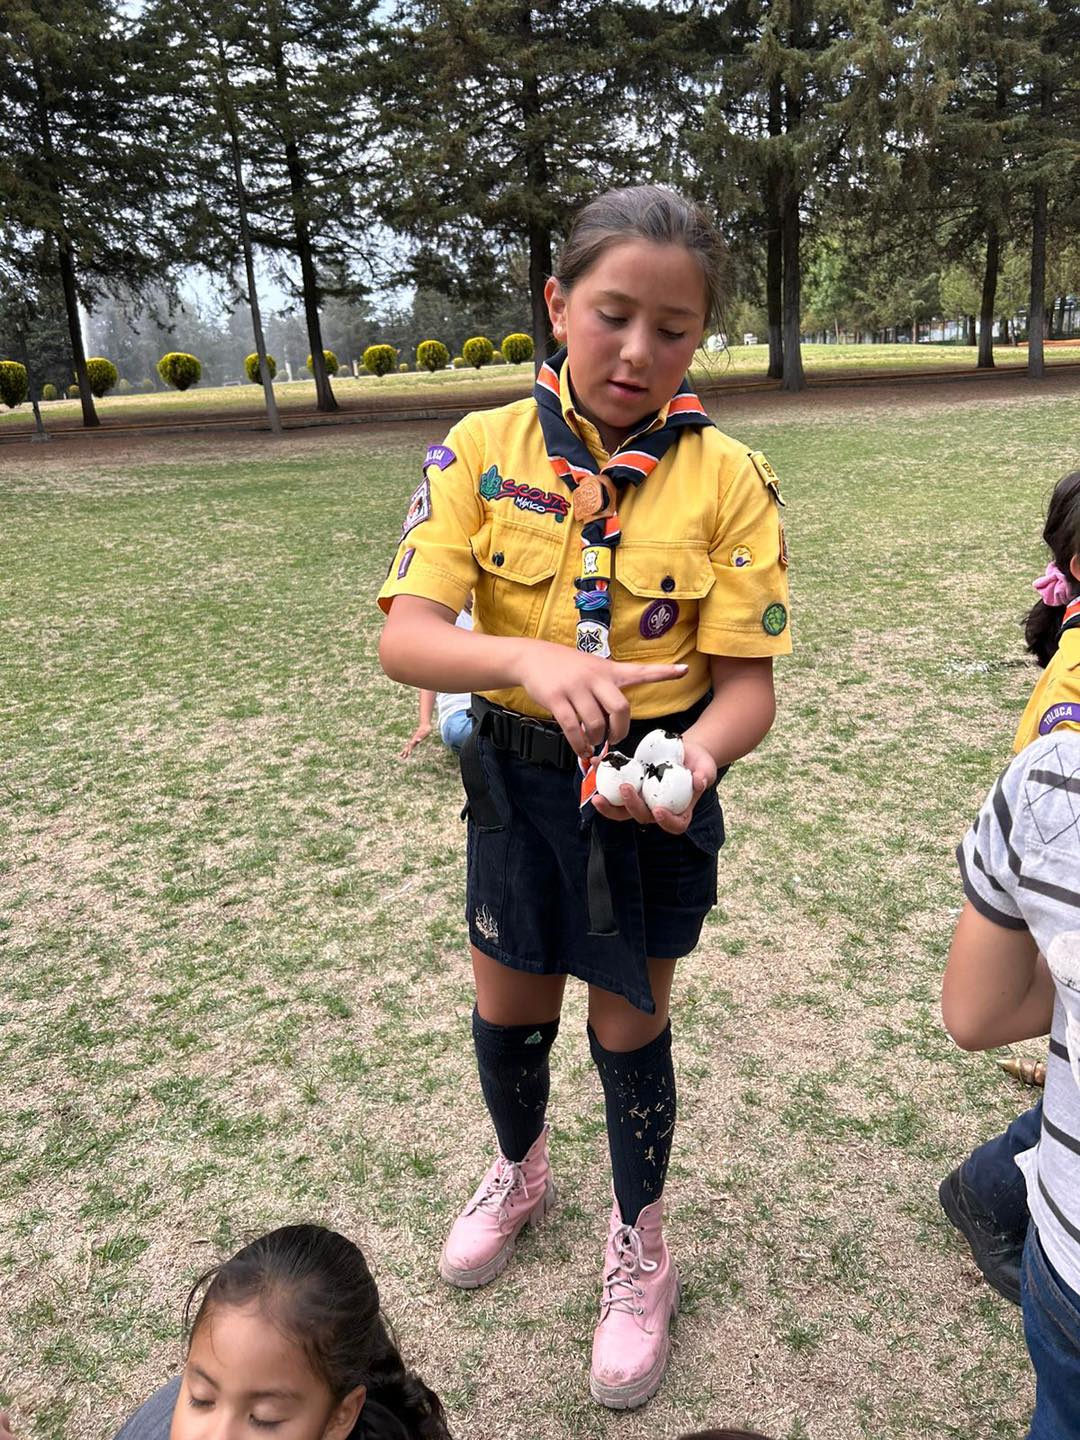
(522, 112)
(83, 161)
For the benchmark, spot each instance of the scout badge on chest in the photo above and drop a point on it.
(594, 496)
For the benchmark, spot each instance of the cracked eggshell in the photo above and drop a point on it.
(668, 787)
(618, 769)
(660, 747)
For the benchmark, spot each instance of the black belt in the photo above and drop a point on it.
(541, 742)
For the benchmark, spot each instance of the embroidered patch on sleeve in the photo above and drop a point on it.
(768, 474)
(774, 619)
(742, 556)
(405, 562)
(419, 508)
(440, 455)
(1067, 713)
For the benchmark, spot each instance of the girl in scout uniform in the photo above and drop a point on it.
(629, 570)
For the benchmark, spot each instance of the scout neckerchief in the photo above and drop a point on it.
(594, 494)
(594, 498)
(1071, 619)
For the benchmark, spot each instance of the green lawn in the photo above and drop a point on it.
(739, 364)
(232, 958)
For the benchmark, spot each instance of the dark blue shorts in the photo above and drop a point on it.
(526, 901)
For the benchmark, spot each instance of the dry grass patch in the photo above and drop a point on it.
(233, 956)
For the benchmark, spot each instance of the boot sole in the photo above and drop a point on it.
(491, 1269)
(637, 1392)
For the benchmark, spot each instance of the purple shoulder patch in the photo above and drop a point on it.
(1067, 713)
(658, 618)
(440, 455)
(406, 561)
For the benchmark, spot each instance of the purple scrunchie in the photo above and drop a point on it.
(1053, 588)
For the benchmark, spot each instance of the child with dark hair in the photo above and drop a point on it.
(630, 571)
(1013, 973)
(985, 1197)
(287, 1337)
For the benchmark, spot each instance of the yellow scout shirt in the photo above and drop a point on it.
(700, 570)
(1055, 701)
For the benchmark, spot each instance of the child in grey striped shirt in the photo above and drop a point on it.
(1014, 973)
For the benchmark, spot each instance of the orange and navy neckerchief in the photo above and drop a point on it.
(594, 494)
(1071, 619)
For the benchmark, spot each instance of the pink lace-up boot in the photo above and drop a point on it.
(641, 1297)
(510, 1196)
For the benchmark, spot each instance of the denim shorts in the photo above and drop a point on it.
(526, 899)
(1052, 1331)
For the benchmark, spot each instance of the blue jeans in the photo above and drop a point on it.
(457, 730)
(1052, 1331)
(991, 1175)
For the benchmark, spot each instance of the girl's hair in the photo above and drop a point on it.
(724, 1435)
(646, 212)
(316, 1287)
(1062, 535)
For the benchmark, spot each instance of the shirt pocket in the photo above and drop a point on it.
(516, 563)
(659, 585)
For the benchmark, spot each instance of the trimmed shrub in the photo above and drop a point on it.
(404, 367)
(380, 359)
(146, 385)
(251, 368)
(498, 358)
(432, 355)
(73, 392)
(14, 383)
(179, 370)
(103, 375)
(459, 362)
(49, 392)
(517, 348)
(124, 387)
(478, 351)
(344, 373)
(330, 360)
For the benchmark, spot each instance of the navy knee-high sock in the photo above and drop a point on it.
(639, 1096)
(515, 1079)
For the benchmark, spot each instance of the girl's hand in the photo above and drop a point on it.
(702, 767)
(421, 732)
(5, 1426)
(584, 694)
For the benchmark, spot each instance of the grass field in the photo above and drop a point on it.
(232, 962)
(741, 363)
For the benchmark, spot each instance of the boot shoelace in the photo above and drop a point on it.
(507, 1178)
(630, 1263)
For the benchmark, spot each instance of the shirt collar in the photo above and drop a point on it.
(585, 429)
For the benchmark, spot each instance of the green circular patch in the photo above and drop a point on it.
(774, 620)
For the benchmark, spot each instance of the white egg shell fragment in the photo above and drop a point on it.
(668, 787)
(660, 747)
(618, 769)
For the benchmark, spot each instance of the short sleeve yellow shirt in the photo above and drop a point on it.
(1055, 701)
(700, 570)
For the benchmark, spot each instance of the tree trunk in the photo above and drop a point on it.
(794, 379)
(229, 118)
(1037, 301)
(969, 330)
(1057, 328)
(537, 183)
(989, 295)
(294, 166)
(65, 259)
(774, 245)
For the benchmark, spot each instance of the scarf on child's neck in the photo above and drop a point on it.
(595, 494)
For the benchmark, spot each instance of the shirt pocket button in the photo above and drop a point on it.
(498, 558)
(667, 584)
